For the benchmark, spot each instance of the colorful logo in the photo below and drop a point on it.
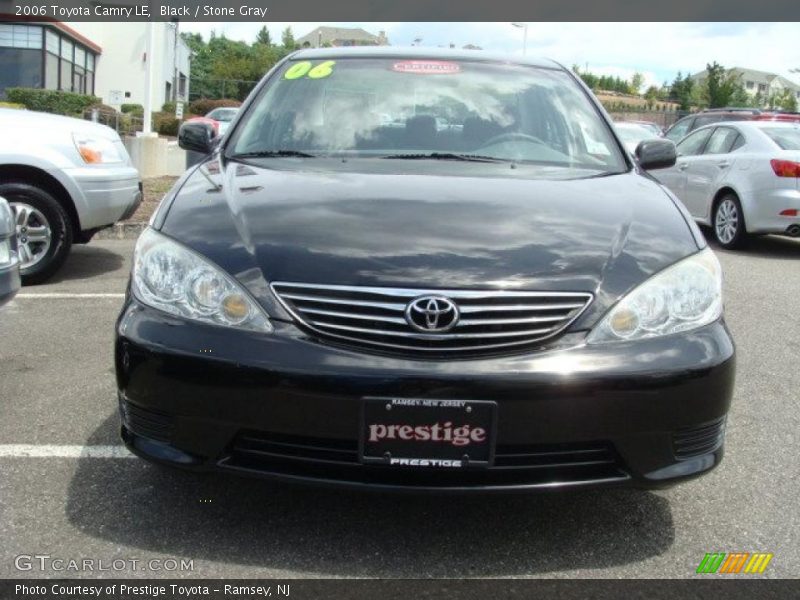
(734, 562)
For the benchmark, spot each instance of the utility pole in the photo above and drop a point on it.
(524, 27)
(150, 48)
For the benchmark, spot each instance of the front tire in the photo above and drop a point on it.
(44, 230)
(728, 223)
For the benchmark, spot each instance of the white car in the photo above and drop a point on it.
(739, 178)
(634, 133)
(65, 179)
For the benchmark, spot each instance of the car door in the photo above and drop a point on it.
(705, 170)
(688, 149)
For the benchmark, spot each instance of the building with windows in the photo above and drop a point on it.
(760, 84)
(107, 60)
(341, 36)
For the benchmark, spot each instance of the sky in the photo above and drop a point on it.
(657, 50)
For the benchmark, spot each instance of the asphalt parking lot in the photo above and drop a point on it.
(58, 408)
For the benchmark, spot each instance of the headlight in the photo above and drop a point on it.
(684, 296)
(96, 150)
(172, 278)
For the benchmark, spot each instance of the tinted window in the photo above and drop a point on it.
(360, 107)
(721, 140)
(787, 139)
(706, 120)
(677, 131)
(693, 144)
(738, 142)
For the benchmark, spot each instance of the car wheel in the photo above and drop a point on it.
(728, 225)
(44, 230)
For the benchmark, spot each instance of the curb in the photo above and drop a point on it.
(121, 231)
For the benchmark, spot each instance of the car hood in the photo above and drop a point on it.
(425, 230)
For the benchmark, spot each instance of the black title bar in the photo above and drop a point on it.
(395, 10)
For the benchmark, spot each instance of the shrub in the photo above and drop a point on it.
(51, 101)
(165, 123)
(168, 107)
(203, 106)
(134, 109)
(12, 105)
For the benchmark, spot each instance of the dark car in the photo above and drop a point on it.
(9, 261)
(681, 128)
(507, 303)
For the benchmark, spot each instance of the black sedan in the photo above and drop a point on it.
(346, 292)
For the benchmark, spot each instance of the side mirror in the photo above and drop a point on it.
(656, 154)
(197, 136)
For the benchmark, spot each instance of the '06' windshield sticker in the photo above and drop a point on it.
(301, 69)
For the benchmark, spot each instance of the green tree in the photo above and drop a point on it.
(263, 37)
(681, 91)
(721, 85)
(783, 100)
(287, 39)
(637, 81)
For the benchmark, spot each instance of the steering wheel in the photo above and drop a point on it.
(512, 135)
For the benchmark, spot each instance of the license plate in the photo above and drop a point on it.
(412, 432)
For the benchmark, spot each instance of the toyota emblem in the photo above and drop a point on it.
(432, 314)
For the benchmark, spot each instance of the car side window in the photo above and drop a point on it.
(706, 120)
(677, 131)
(721, 141)
(694, 143)
(737, 143)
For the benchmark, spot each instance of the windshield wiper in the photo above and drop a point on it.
(445, 156)
(273, 154)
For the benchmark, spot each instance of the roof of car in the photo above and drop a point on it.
(418, 52)
(747, 124)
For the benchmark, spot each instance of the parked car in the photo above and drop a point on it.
(512, 304)
(686, 125)
(223, 117)
(655, 128)
(633, 133)
(740, 178)
(9, 263)
(65, 180)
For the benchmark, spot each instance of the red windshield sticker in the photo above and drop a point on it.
(426, 67)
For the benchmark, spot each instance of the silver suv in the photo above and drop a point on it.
(65, 180)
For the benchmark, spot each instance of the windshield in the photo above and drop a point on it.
(397, 108)
(634, 133)
(787, 138)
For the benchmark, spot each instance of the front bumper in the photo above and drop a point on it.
(645, 414)
(112, 193)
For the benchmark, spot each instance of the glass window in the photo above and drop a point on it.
(708, 119)
(677, 131)
(80, 56)
(721, 141)
(90, 83)
(786, 138)
(66, 49)
(20, 67)
(66, 76)
(693, 143)
(51, 40)
(79, 80)
(738, 143)
(51, 71)
(20, 36)
(362, 107)
(89, 61)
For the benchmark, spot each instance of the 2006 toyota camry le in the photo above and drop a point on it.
(425, 270)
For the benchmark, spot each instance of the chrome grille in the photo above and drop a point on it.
(375, 316)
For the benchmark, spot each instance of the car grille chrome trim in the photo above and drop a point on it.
(375, 316)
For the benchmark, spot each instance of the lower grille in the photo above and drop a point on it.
(696, 441)
(146, 423)
(410, 320)
(337, 460)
